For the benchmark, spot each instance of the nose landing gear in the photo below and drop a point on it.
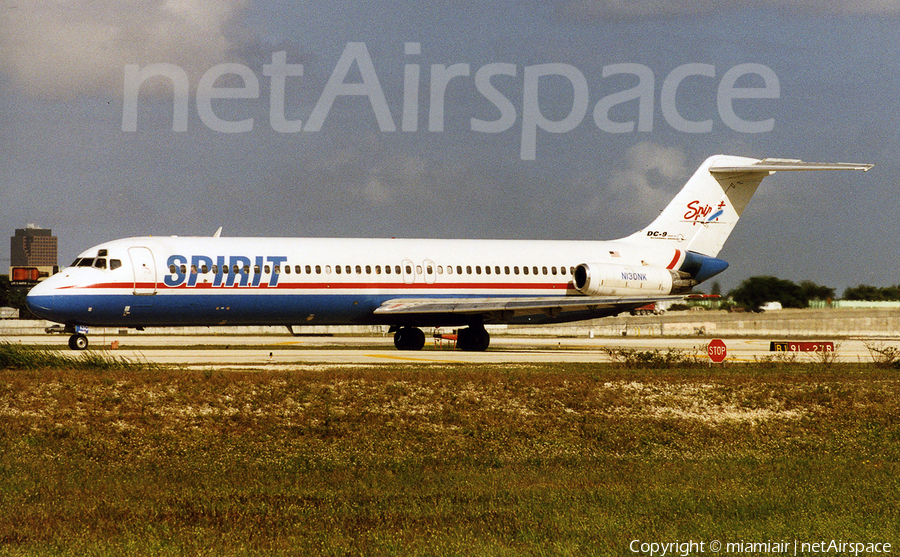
(78, 341)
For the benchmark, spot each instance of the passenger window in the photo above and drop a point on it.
(387, 269)
(534, 270)
(298, 270)
(193, 269)
(276, 269)
(409, 270)
(204, 269)
(328, 269)
(468, 269)
(337, 269)
(487, 270)
(553, 270)
(309, 269)
(318, 269)
(377, 269)
(506, 270)
(477, 269)
(256, 269)
(265, 269)
(215, 269)
(347, 268)
(418, 269)
(449, 269)
(516, 270)
(358, 270)
(440, 270)
(397, 269)
(368, 269)
(459, 270)
(183, 268)
(525, 270)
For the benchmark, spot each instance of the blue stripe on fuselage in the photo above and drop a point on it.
(184, 309)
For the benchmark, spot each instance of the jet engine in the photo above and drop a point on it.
(603, 279)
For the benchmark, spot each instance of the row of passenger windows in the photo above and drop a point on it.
(378, 269)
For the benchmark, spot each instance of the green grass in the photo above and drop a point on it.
(444, 460)
(22, 357)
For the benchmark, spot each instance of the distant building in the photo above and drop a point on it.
(32, 255)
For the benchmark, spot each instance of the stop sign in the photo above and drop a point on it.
(716, 350)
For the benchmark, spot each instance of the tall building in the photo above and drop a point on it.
(32, 254)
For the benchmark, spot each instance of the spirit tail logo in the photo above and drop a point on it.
(701, 213)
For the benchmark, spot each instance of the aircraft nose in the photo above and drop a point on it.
(41, 300)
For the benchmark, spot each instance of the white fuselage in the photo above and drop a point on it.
(155, 281)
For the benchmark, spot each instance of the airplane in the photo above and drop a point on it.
(408, 284)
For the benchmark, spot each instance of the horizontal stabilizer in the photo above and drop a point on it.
(777, 165)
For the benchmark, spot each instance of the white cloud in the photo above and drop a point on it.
(62, 48)
(646, 184)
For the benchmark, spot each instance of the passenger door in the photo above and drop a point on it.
(144, 266)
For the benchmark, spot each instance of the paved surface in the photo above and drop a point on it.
(260, 351)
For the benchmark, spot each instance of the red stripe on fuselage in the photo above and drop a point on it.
(343, 285)
(675, 259)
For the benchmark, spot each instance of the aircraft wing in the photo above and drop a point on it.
(508, 307)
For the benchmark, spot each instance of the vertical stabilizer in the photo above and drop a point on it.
(702, 215)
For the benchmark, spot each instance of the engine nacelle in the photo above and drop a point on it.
(603, 279)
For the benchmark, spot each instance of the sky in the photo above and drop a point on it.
(552, 119)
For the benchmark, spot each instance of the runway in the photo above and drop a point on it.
(262, 351)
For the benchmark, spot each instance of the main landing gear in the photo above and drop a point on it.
(471, 339)
(409, 338)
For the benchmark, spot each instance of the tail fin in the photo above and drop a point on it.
(705, 211)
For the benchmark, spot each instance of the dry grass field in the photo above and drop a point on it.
(112, 458)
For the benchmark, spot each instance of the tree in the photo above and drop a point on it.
(873, 293)
(813, 291)
(755, 292)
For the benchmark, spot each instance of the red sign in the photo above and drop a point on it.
(816, 346)
(716, 350)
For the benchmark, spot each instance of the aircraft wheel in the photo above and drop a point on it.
(409, 338)
(78, 342)
(473, 339)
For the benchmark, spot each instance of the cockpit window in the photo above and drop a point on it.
(100, 263)
(114, 264)
(84, 262)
